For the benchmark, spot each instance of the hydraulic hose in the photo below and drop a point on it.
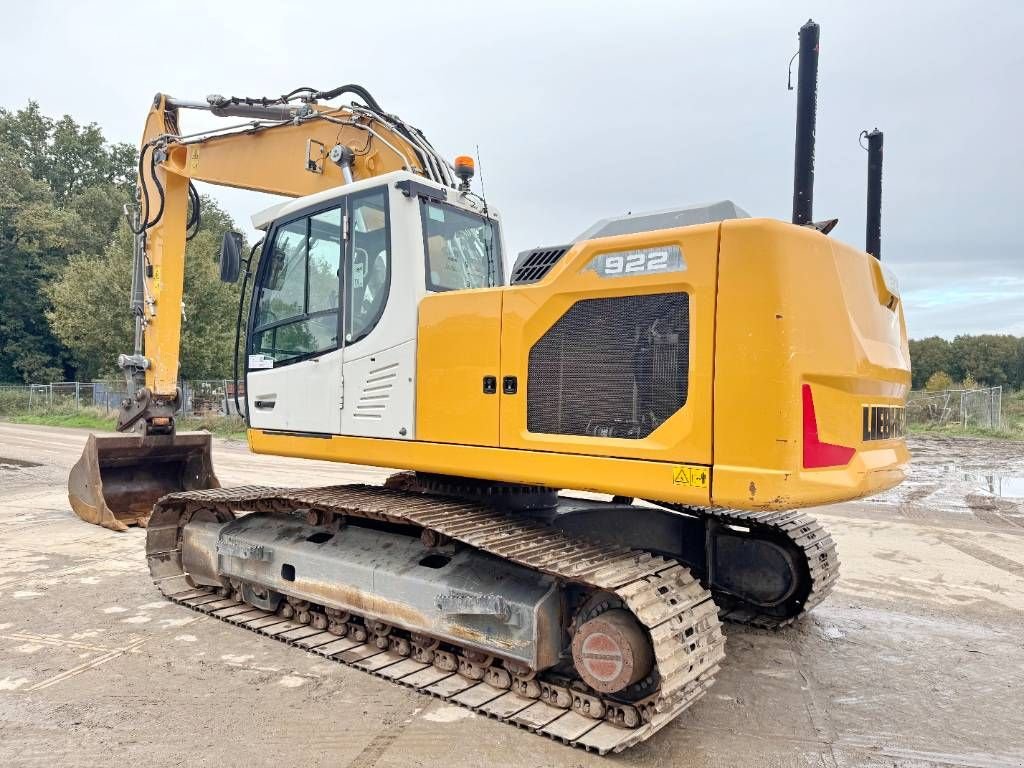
(238, 321)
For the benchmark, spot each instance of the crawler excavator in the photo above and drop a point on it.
(598, 458)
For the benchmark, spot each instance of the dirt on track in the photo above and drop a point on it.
(917, 658)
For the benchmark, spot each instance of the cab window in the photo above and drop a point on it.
(462, 248)
(368, 273)
(297, 309)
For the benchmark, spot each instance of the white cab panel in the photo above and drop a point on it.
(380, 394)
(301, 397)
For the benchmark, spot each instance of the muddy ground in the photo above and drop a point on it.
(917, 659)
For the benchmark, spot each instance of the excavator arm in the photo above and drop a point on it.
(293, 145)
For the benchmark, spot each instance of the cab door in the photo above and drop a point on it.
(294, 379)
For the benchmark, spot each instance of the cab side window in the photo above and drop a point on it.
(462, 248)
(368, 276)
(297, 306)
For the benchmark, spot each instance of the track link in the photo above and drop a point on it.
(665, 598)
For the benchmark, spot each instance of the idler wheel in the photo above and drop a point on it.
(612, 651)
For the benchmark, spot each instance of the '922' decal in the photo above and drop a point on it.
(644, 261)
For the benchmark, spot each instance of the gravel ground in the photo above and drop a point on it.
(917, 659)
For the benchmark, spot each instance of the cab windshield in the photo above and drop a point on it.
(462, 248)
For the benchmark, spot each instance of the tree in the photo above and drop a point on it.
(993, 360)
(69, 157)
(104, 280)
(939, 381)
(61, 193)
(34, 235)
(929, 356)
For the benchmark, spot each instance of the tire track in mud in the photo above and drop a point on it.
(381, 743)
(986, 556)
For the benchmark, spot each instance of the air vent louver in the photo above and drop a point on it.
(533, 265)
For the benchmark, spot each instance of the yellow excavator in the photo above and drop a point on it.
(700, 374)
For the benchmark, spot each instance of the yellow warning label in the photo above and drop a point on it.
(695, 477)
(193, 158)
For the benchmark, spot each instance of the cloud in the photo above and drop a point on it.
(582, 111)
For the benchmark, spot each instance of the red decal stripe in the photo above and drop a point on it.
(816, 453)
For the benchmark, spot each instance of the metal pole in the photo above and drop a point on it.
(873, 236)
(806, 115)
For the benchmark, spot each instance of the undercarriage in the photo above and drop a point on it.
(591, 622)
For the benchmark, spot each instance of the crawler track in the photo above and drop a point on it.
(811, 546)
(676, 610)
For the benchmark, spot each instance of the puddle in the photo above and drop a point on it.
(6, 463)
(1006, 486)
(962, 483)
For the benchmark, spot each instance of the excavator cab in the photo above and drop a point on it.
(334, 323)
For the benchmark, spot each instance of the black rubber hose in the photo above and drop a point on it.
(195, 217)
(358, 90)
(159, 189)
(238, 322)
(288, 96)
(144, 212)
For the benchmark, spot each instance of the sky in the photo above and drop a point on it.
(592, 109)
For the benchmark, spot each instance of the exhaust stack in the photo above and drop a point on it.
(806, 114)
(873, 236)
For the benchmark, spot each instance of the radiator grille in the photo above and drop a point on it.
(613, 367)
(533, 265)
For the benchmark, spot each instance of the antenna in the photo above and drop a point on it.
(483, 194)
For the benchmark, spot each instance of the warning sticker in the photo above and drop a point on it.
(257, 362)
(693, 476)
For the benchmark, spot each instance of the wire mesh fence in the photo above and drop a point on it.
(981, 407)
(200, 398)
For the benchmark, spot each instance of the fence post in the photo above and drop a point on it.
(78, 396)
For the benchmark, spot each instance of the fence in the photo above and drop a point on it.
(967, 407)
(201, 398)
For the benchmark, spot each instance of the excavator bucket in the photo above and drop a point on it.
(119, 477)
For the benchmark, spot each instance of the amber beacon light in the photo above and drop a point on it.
(464, 169)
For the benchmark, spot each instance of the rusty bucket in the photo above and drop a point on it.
(119, 477)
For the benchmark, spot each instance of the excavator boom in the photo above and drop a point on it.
(292, 146)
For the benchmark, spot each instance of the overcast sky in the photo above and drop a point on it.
(586, 110)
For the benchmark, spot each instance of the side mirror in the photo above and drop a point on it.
(230, 257)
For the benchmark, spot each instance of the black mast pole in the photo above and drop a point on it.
(806, 113)
(873, 237)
